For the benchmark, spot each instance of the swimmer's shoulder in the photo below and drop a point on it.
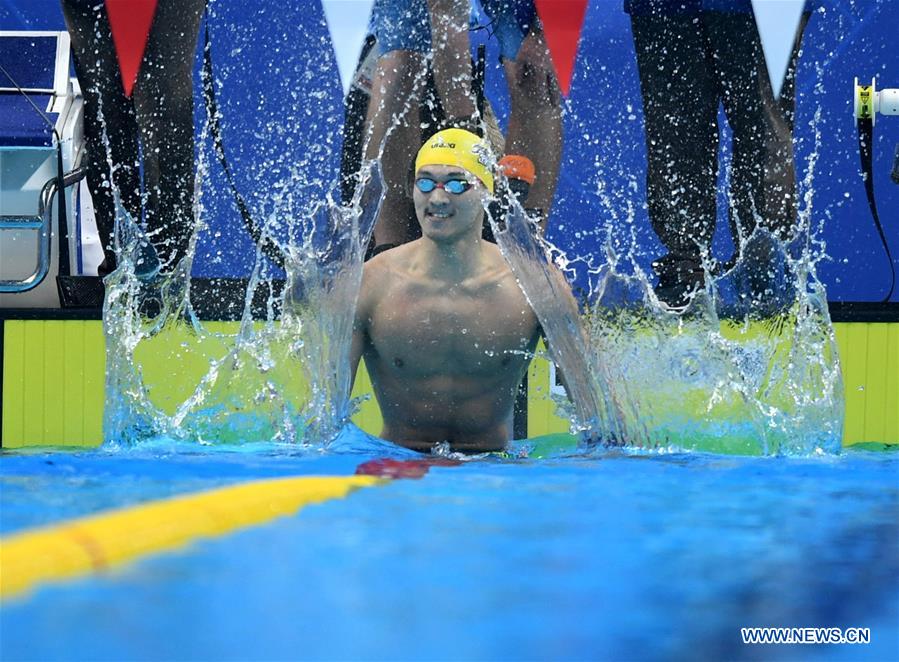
(499, 271)
(502, 284)
(383, 271)
(496, 256)
(389, 263)
(375, 274)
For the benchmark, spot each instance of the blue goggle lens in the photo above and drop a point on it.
(454, 186)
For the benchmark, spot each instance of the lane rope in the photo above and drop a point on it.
(96, 543)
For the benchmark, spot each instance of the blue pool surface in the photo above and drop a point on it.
(607, 556)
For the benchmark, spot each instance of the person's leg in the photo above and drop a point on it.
(98, 73)
(163, 98)
(535, 122)
(394, 135)
(403, 34)
(355, 109)
(451, 59)
(763, 178)
(680, 106)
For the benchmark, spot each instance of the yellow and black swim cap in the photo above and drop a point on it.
(458, 147)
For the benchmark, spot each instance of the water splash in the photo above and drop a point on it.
(324, 277)
(284, 380)
(725, 375)
(750, 367)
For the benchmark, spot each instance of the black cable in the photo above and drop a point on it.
(269, 247)
(28, 99)
(865, 148)
(894, 175)
(64, 268)
(478, 79)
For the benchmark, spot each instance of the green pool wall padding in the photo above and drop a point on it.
(53, 383)
(869, 354)
(54, 378)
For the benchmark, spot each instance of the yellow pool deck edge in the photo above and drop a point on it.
(96, 543)
(54, 372)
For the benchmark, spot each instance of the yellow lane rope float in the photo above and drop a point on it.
(96, 543)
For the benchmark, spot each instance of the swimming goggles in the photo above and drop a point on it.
(454, 186)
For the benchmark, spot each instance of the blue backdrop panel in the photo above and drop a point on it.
(603, 180)
(850, 39)
(280, 97)
(281, 103)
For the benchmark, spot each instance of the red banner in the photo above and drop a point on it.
(562, 21)
(130, 21)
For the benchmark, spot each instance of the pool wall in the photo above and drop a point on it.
(53, 382)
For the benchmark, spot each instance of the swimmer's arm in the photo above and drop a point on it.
(559, 372)
(356, 348)
(569, 308)
(588, 359)
(361, 321)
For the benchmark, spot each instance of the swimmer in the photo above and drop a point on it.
(445, 330)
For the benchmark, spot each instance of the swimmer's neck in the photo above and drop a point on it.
(451, 261)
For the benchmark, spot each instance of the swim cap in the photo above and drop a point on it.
(458, 147)
(517, 166)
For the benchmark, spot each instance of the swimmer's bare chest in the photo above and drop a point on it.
(450, 360)
(463, 337)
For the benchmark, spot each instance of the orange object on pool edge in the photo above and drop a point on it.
(387, 468)
(517, 166)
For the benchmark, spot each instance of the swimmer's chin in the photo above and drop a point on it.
(438, 221)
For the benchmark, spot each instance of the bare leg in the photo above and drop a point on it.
(535, 124)
(393, 120)
(163, 98)
(451, 57)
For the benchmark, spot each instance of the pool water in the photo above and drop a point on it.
(609, 555)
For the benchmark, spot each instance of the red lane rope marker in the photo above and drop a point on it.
(387, 468)
(90, 547)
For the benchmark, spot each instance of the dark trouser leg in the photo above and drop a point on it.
(763, 177)
(354, 113)
(680, 106)
(98, 72)
(163, 100)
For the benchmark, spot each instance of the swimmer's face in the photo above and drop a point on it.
(446, 216)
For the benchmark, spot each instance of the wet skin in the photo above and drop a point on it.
(444, 328)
